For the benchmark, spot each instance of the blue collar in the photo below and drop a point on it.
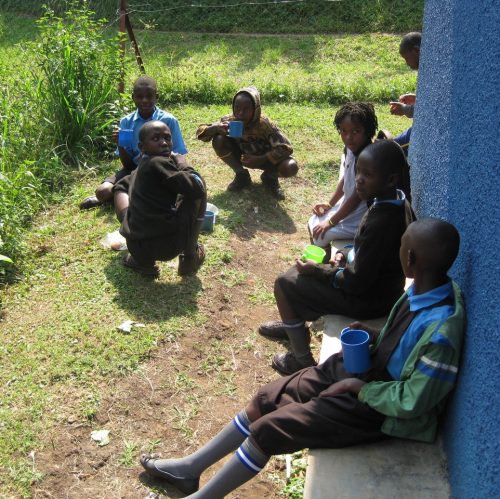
(400, 199)
(425, 300)
(138, 117)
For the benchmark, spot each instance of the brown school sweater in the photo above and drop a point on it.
(153, 191)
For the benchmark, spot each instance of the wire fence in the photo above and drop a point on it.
(252, 16)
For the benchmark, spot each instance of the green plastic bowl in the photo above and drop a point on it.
(314, 253)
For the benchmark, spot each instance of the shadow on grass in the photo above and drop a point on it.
(151, 299)
(251, 210)
(160, 486)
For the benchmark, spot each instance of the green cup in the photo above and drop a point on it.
(314, 253)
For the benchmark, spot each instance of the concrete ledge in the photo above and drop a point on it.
(390, 469)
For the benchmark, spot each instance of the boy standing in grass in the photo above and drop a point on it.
(167, 206)
(262, 146)
(363, 282)
(409, 50)
(414, 366)
(144, 95)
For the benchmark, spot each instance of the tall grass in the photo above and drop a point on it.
(80, 69)
(55, 113)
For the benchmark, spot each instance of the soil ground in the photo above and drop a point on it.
(148, 406)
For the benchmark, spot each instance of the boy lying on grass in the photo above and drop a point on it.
(167, 206)
(363, 282)
(414, 366)
(262, 145)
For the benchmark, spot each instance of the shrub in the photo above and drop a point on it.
(80, 69)
(56, 111)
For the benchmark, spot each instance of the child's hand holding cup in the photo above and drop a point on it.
(314, 253)
(125, 137)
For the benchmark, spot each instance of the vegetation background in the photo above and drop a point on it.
(59, 347)
(258, 16)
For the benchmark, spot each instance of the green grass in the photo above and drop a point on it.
(313, 68)
(59, 335)
(311, 16)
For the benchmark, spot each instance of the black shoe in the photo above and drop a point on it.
(147, 271)
(287, 363)
(241, 180)
(185, 485)
(272, 183)
(274, 330)
(190, 264)
(90, 202)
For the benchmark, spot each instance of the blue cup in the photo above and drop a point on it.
(236, 129)
(356, 350)
(208, 221)
(125, 137)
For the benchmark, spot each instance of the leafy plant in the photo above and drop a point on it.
(80, 68)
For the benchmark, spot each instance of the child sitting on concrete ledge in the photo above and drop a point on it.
(361, 283)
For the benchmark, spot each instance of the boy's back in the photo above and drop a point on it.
(154, 188)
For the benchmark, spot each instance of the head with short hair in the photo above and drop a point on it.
(409, 49)
(388, 157)
(145, 95)
(429, 245)
(145, 81)
(378, 170)
(155, 139)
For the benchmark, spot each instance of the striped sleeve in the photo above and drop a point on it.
(432, 378)
(437, 370)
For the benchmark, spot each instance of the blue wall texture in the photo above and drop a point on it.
(455, 161)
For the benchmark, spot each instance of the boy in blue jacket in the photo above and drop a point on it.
(414, 366)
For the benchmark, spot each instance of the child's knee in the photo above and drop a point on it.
(278, 290)
(104, 192)
(288, 168)
(221, 144)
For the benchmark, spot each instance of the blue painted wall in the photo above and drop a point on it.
(455, 158)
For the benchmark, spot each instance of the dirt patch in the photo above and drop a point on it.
(183, 395)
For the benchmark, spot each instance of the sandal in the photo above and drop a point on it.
(185, 485)
(89, 203)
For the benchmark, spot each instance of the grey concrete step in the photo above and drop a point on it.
(391, 469)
